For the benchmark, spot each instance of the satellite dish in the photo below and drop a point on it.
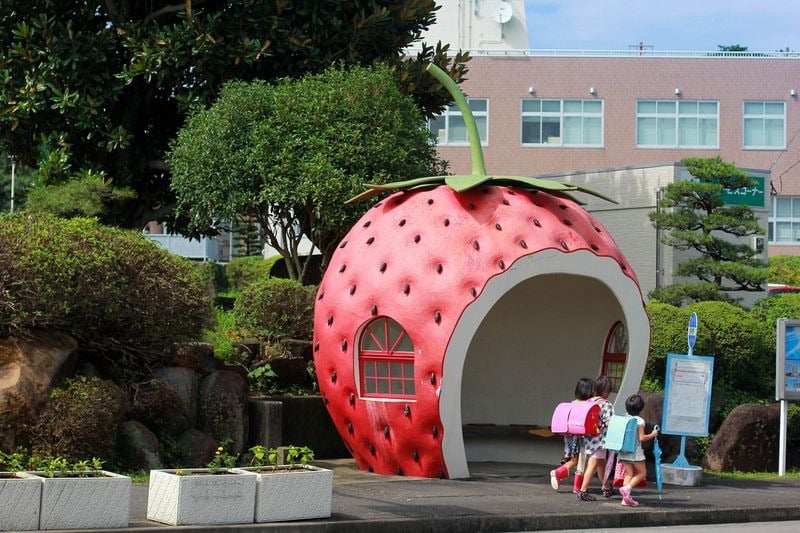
(503, 12)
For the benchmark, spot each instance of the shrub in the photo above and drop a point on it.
(667, 335)
(274, 309)
(212, 274)
(80, 420)
(767, 311)
(113, 290)
(222, 335)
(242, 271)
(742, 362)
(784, 269)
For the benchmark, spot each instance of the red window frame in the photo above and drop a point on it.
(615, 353)
(386, 360)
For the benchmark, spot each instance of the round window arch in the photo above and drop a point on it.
(615, 353)
(386, 360)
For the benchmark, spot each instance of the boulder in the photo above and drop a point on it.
(185, 382)
(29, 369)
(746, 441)
(197, 448)
(223, 408)
(140, 446)
(266, 421)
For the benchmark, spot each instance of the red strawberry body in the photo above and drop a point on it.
(422, 257)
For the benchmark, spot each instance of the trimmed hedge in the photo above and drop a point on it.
(113, 290)
(275, 308)
(242, 271)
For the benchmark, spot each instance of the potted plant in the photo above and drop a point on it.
(21, 494)
(212, 495)
(295, 490)
(82, 495)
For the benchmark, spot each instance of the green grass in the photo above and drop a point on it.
(794, 473)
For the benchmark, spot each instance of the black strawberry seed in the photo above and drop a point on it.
(402, 223)
(386, 431)
(597, 229)
(506, 202)
(367, 223)
(321, 296)
(473, 292)
(374, 310)
(595, 247)
(523, 244)
(330, 320)
(562, 206)
(352, 399)
(350, 427)
(406, 288)
(471, 206)
(316, 347)
(370, 240)
(416, 238)
(567, 222)
(352, 290)
(564, 245)
(371, 449)
(476, 245)
(415, 455)
(344, 243)
(437, 317)
(430, 201)
(439, 268)
(344, 345)
(333, 376)
(498, 227)
(446, 222)
(501, 264)
(383, 267)
(537, 223)
(342, 268)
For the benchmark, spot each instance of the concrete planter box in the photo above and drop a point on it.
(20, 498)
(100, 500)
(299, 493)
(198, 497)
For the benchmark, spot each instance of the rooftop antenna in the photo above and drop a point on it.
(641, 47)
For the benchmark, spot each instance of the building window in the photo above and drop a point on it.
(764, 125)
(784, 220)
(449, 127)
(614, 355)
(677, 124)
(562, 123)
(386, 360)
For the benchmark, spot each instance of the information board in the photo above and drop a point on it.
(687, 395)
(787, 378)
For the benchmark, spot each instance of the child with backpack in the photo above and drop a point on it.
(594, 447)
(635, 469)
(573, 444)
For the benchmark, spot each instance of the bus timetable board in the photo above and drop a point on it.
(787, 360)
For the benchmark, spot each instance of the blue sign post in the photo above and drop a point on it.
(687, 394)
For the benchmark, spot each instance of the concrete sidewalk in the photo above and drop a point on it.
(511, 497)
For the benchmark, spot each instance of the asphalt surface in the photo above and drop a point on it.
(511, 497)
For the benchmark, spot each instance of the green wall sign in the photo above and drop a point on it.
(752, 196)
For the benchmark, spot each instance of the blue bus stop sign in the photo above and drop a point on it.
(692, 333)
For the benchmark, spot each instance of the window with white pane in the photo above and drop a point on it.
(386, 360)
(677, 124)
(764, 125)
(562, 122)
(449, 128)
(784, 220)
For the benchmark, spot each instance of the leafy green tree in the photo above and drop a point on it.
(102, 86)
(695, 217)
(291, 154)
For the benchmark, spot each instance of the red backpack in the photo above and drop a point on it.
(580, 418)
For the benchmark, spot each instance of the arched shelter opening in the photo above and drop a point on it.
(519, 349)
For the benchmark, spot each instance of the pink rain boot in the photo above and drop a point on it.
(562, 472)
(576, 487)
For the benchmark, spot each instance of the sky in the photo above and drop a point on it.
(672, 25)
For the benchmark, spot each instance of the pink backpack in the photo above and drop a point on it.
(577, 418)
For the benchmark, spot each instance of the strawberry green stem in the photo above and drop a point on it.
(476, 152)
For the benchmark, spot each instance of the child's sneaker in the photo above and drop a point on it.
(585, 496)
(553, 480)
(627, 501)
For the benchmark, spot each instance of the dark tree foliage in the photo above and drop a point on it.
(103, 85)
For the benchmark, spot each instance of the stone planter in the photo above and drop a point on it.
(99, 500)
(198, 497)
(20, 497)
(299, 493)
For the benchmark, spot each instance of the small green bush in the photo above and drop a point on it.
(222, 335)
(81, 419)
(242, 271)
(784, 269)
(212, 274)
(273, 309)
(115, 291)
(767, 311)
(667, 335)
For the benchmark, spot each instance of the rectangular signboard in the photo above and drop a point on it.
(787, 360)
(752, 196)
(687, 395)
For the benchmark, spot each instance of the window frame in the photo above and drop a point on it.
(763, 117)
(452, 110)
(561, 115)
(388, 354)
(614, 357)
(676, 118)
(793, 220)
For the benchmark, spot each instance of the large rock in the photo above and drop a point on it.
(747, 440)
(223, 408)
(197, 448)
(199, 356)
(29, 369)
(185, 382)
(140, 446)
(159, 406)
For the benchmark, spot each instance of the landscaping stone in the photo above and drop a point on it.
(140, 446)
(223, 408)
(185, 382)
(746, 441)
